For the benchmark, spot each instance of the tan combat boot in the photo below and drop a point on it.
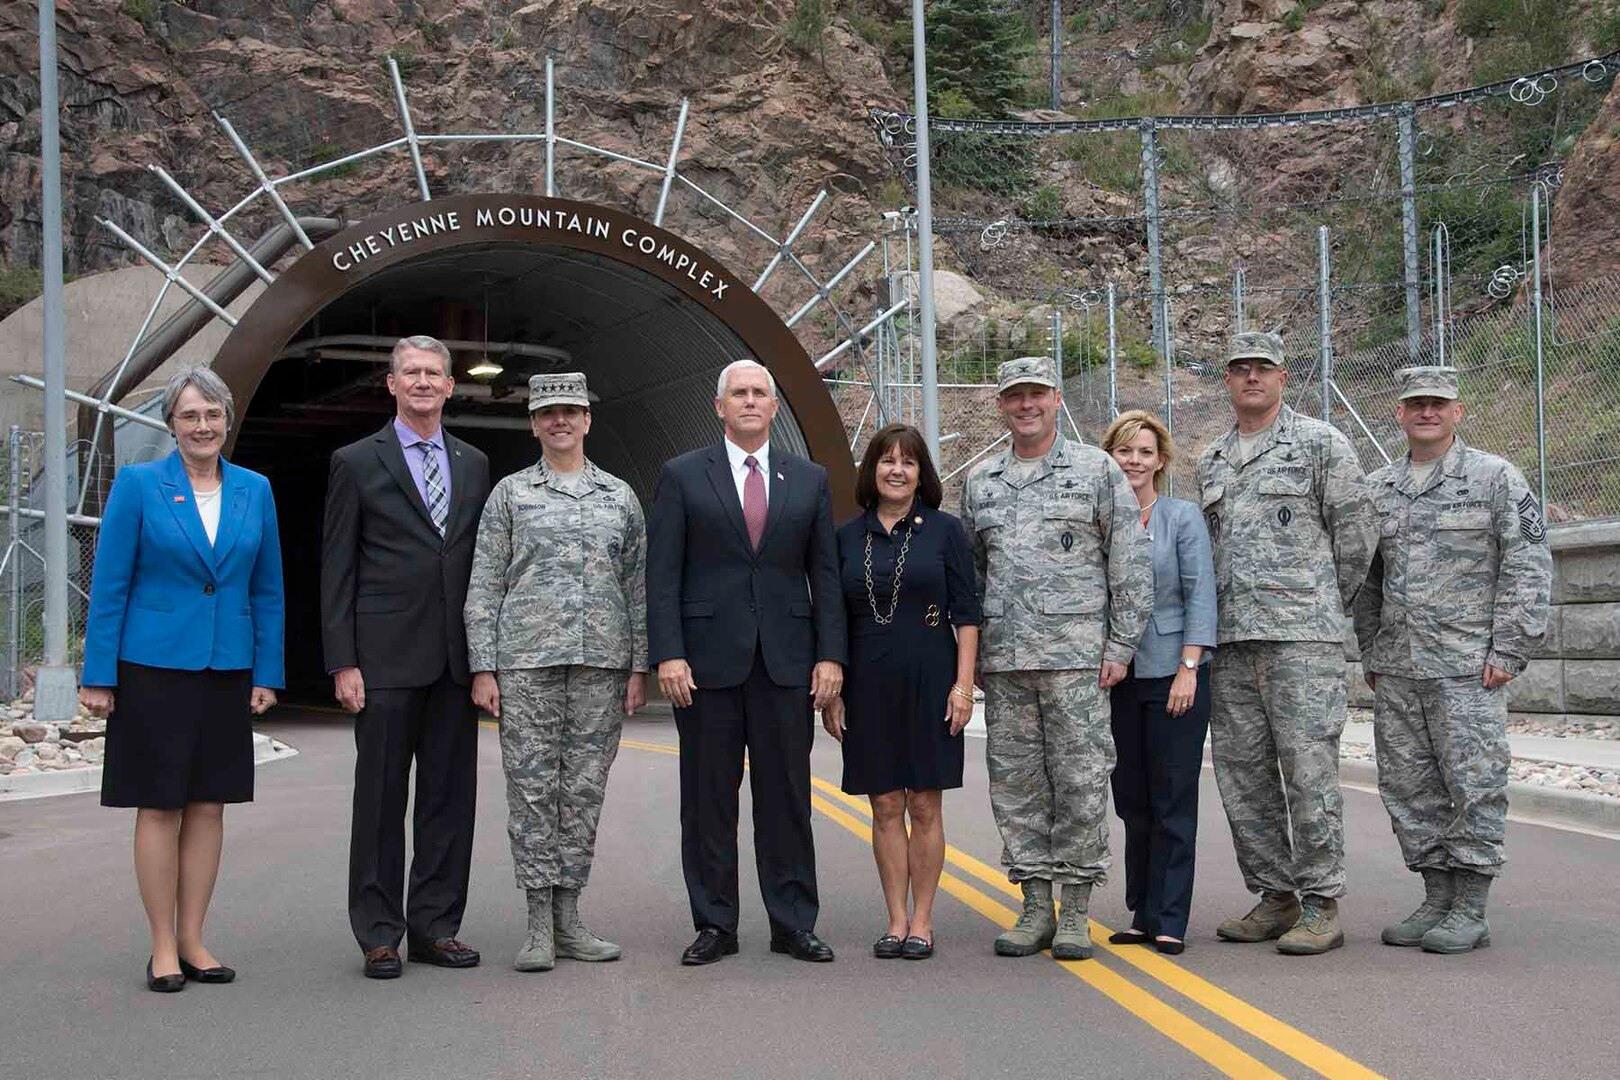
(539, 952)
(574, 941)
(1437, 889)
(1072, 941)
(1464, 928)
(1317, 930)
(1270, 918)
(1036, 923)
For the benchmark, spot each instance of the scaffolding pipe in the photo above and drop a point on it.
(1324, 317)
(1541, 372)
(669, 170)
(925, 234)
(410, 128)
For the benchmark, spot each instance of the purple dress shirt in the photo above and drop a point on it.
(413, 457)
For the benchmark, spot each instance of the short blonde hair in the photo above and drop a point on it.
(1128, 425)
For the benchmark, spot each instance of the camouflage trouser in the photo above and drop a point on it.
(1443, 770)
(1277, 711)
(1050, 751)
(559, 735)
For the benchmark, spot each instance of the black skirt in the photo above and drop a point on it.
(178, 737)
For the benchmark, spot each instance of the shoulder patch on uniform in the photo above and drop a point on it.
(1531, 525)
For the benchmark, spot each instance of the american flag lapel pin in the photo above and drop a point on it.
(179, 498)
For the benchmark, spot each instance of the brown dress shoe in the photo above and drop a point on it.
(383, 963)
(445, 952)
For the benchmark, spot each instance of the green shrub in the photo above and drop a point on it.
(806, 29)
(18, 285)
(142, 11)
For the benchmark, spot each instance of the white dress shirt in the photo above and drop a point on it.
(739, 467)
(208, 509)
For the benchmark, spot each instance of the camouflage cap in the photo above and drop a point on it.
(1026, 369)
(1256, 345)
(558, 388)
(1428, 381)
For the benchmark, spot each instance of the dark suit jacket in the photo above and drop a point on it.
(392, 590)
(711, 598)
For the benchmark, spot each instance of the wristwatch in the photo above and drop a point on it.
(1189, 664)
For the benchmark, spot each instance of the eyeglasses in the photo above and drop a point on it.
(193, 418)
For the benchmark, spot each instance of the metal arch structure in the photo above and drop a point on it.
(209, 302)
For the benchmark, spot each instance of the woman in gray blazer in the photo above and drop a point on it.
(1161, 708)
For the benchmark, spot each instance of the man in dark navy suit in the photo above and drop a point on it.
(402, 510)
(746, 624)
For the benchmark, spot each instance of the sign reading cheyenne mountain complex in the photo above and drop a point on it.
(534, 220)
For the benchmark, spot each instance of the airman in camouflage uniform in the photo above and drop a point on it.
(1454, 607)
(1066, 577)
(557, 640)
(1291, 518)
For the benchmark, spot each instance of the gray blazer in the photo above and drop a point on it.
(1183, 588)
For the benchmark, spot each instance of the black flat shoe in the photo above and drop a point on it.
(711, 945)
(887, 947)
(1168, 947)
(1130, 937)
(916, 948)
(802, 945)
(217, 974)
(163, 984)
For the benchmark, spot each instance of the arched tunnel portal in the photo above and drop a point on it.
(534, 285)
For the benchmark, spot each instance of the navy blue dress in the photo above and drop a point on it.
(900, 673)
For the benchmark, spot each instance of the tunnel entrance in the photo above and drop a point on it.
(518, 283)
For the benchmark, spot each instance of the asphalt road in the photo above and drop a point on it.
(1541, 1002)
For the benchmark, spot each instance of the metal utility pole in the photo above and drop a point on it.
(1541, 374)
(1113, 358)
(1409, 230)
(925, 235)
(1324, 317)
(1150, 213)
(55, 689)
(1057, 54)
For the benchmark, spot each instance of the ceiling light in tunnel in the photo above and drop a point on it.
(485, 369)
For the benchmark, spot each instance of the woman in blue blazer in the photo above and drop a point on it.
(182, 646)
(1161, 708)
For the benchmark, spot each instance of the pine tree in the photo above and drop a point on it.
(975, 49)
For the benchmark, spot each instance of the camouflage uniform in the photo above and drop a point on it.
(1294, 531)
(1462, 579)
(557, 608)
(1066, 577)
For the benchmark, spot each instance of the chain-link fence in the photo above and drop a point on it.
(22, 573)
(1371, 238)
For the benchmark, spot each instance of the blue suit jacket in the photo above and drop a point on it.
(163, 597)
(1183, 588)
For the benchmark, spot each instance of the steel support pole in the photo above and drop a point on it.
(1057, 54)
(1113, 358)
(551, 134)
(1324, 317)
(1150, 211)
(410, 128)
(14, 569)
(1409, 231)
(925, 234)
(669, 170)
(1541, 374)
(56, 687)
(1238, 317)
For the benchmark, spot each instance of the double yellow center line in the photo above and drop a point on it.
(1219, 1052)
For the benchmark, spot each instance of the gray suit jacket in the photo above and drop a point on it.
(1183, 588)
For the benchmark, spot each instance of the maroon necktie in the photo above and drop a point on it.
(754, 501)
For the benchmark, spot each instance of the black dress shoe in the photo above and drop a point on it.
(802, 945)
(887, 947)
(1130, 937)
(383, 963)
(445, 952)
(1169, 947)
(163, 984)
(216, 974)
(917, 948)
(711, 944)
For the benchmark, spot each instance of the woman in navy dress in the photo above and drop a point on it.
(907, 574)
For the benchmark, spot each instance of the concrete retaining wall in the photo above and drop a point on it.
(1577, 670)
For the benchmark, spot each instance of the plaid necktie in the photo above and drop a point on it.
(754, 501)
(438, 506)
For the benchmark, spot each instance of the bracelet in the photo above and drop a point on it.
(965, 695)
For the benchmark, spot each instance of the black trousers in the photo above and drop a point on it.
(1155, 786)
(774, 723)
(437, 727)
